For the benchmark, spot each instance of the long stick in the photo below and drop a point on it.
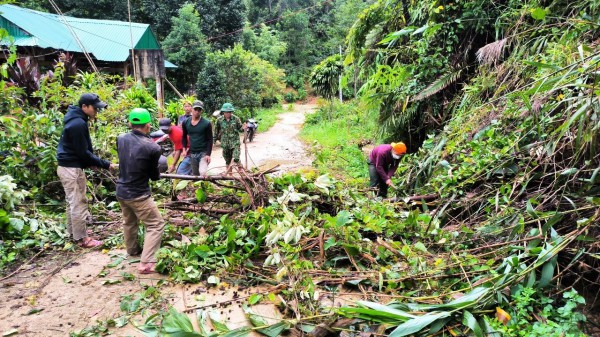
(204, 178)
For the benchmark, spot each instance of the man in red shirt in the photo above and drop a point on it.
(176, 136)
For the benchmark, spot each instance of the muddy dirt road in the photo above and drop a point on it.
(58, 293)
(277, 146)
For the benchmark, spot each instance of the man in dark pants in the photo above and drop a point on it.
(383, 162)
(200, 131)
(138, 163)
(74, 154)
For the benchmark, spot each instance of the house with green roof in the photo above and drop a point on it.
(109, 43)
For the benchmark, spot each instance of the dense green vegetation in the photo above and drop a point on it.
(292, 35)
(491, 230)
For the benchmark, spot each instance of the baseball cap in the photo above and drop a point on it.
(139, 116)
(198, 104)
(164, 124)
(91, 99)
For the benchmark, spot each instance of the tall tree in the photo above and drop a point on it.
(186, 47)
(158, 14)
(222, 21)
(296, 33)
(239, 76)
(266, 45)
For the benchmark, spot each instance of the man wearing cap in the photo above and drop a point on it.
(200, 134)
(228, 130)
(383, 162)
(187, 110)
(138, 163)
(75, 153)
(176, 135)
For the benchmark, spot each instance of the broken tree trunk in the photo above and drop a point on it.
(254, 185)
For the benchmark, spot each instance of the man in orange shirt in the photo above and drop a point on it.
(176, 136)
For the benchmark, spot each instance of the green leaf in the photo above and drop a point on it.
(530, 210)
(200, 195)
(203, 251)
(254, 298)
(215, 320)
(275, 329)
(34, 311)
(212, 279)
(332, 243)
(17, 224)
(420, 30)
(343, 218)
(395, 35)
(130, 305)
(417, 324)
(110, 281)
(239, 332)
(181, 185)
(569, 171)
(540, 65)
(387, 309)
(538, 13)
(470, 321)
(419, 246)
(178, 324)
(115, 262)
(128, 276)
(547, 273)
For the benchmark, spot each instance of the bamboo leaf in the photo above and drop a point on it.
(470, 321)
(178, 325)
(215, 320)
(386, 309)
(392, 37)
(275, 329)
(239, 332)
(547, 272)
(417, 324)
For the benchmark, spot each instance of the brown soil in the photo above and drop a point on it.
(57, 294)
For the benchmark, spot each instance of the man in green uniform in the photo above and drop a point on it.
(228, 132)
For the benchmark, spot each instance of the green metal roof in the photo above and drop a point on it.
(106, 40)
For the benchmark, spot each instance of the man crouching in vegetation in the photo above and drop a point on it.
(75, 152)
(138, 163)
(383, 162)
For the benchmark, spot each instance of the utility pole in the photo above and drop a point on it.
(340, 81)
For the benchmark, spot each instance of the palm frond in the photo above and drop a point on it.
(438, 85)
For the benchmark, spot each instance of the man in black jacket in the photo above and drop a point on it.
(138, 163)
(75, 153)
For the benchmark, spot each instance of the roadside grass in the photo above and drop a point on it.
(336, 134)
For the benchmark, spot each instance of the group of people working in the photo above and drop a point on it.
(138, 164)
